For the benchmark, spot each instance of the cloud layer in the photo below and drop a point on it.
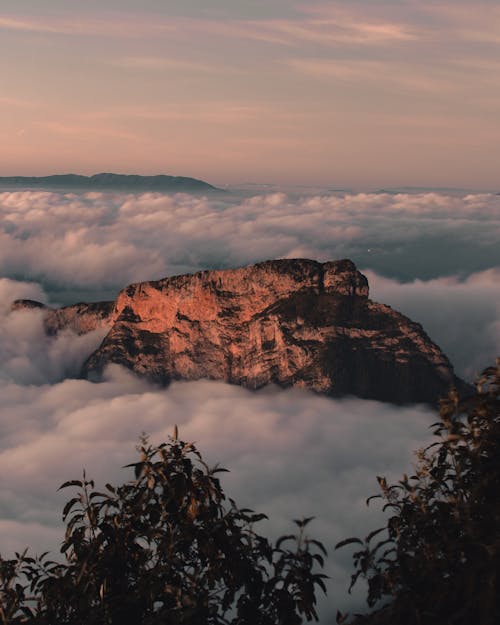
(443, 246)
(462, 316)
(290, 453)
(96, 240)
(29, 356)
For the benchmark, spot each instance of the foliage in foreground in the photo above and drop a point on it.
(164, 548)
(437, 562)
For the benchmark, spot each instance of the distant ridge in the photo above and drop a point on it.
(108, 181)
(417, 190)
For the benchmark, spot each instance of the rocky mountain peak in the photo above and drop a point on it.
(209, 296)
(289, 322)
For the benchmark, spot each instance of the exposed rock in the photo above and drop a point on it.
(288, 322)
(80, 318)
(28, 304)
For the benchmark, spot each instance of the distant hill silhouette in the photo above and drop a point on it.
(111, 182)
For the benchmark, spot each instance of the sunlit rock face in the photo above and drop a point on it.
(288, 322)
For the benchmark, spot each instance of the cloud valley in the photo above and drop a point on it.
(290, 453)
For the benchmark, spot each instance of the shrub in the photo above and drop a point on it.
(164, 548)
(437, 561)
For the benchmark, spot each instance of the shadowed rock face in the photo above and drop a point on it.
(79, 318)
(288, 322)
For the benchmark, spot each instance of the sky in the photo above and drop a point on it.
(357, 93)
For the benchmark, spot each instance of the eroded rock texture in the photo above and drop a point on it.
(288, 322)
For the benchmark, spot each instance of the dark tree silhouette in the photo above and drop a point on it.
(166, 547)
(437, 561)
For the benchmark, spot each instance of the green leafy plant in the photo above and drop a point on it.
(437, 561)
(166, 547)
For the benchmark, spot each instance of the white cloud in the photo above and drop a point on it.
(97, 240)
(462, 316)
(29, 356)
(290, 453)
(11, 290)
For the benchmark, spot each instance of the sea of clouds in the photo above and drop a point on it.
(290, 453)
(104, 241)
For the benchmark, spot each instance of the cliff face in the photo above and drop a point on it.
(288, 322)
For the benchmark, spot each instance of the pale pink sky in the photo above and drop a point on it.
(357, 92)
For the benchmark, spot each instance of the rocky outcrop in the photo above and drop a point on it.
(289, 322)
(79, 318)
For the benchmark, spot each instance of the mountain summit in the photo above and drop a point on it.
(288, 322)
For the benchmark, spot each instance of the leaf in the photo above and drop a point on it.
(138, 467)
(303, 522)
(374, 533)
(319, 558)
(282, 539)
(318, 544)
(318, 580)
(68, 506)
(71, 483)
(98, 494)
(381, 544)
(348, 541)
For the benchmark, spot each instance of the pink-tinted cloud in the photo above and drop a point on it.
(108, 25)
